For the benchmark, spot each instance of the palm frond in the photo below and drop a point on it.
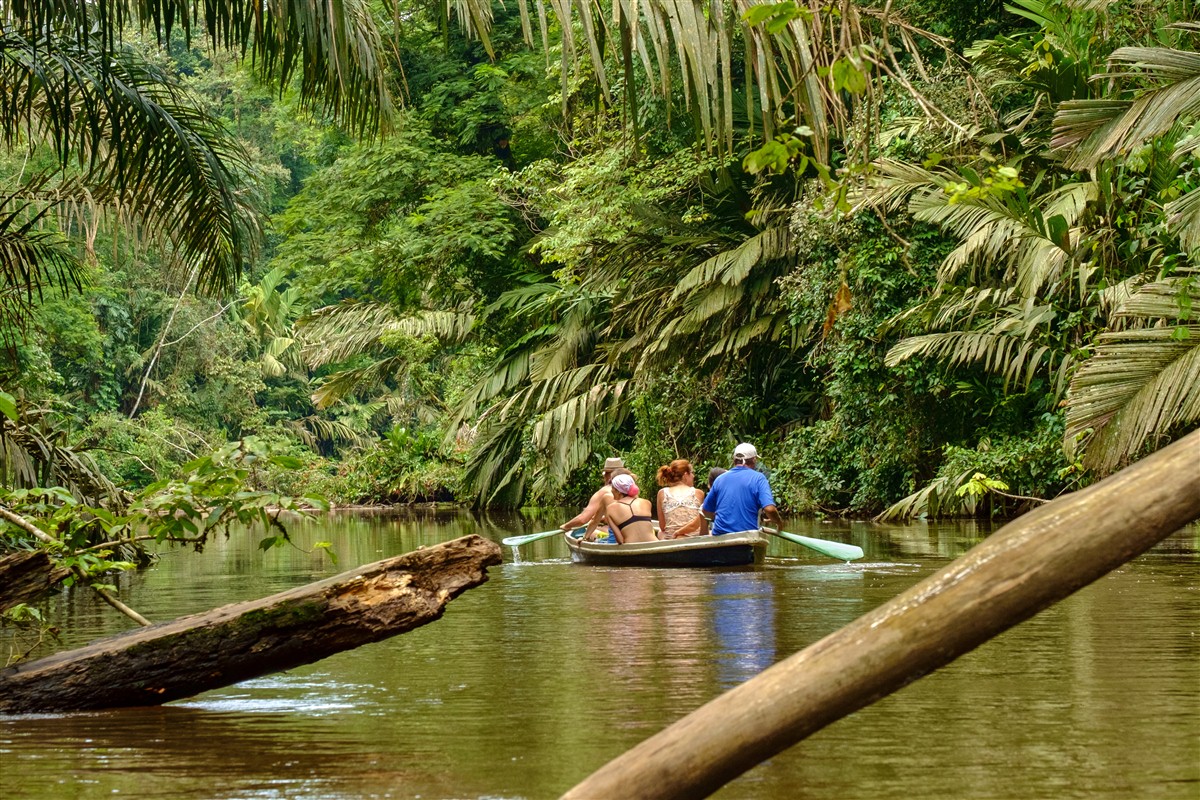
(314, 429)
(1183, 217)
(767, 328)
(558, 418)
(1169, 299)
(1029, 247)
(893, 183)
(333, 46)
(936, 499)
(1008, 345)
(341, 384)
(495, 465)
(563, 434)
(786, 61)
(34, 452)
(1139, 386)
(731, 267)
(31, 260)
(1141, 383)
(954, 306)
(148, 153)
(338, 333)
(1095, 130)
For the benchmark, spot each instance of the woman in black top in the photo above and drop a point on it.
(628, 516)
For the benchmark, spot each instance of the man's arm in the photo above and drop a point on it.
(767, 502)
(590, 534)
(772, 515)
(589, 511)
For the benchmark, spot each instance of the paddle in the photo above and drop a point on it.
(843, 552)
(514, 541)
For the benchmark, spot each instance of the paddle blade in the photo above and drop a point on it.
(516, 541)
(838, 550)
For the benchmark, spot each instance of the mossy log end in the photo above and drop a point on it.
(193, 654)
(27, 576)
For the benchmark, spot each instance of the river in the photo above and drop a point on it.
(550, 669)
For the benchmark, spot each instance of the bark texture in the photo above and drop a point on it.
(193, 654)
(1026, 566)
(27, 576)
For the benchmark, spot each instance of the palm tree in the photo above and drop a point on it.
(267, 314)
(1141, 385)
(1082, 275)
(131, 148)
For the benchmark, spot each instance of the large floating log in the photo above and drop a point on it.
(1024, 567)
(27, 576)
(193, 654)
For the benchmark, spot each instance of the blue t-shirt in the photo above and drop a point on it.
(736, 498)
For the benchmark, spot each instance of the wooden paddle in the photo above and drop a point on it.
(842, 552)
(515, 541)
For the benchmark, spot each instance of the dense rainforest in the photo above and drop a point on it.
(931, 258)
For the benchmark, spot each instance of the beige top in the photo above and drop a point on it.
(680, 506)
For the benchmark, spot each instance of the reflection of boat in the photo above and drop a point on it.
(729, 550)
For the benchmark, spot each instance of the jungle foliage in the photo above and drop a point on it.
(916, 252)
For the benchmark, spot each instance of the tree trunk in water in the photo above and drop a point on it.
(237, 642)
(27, 576)
(1026, 566)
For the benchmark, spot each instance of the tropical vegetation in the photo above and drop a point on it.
(931, 259)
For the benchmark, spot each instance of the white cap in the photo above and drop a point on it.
(744, 451)
(626, 485)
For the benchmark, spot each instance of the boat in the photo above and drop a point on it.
(728, 550)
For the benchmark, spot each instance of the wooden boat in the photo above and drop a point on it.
(729, 550)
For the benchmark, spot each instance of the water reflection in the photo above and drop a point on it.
(551, 669)
(743, 621)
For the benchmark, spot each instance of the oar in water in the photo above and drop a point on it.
(844, 552)
(514, 541)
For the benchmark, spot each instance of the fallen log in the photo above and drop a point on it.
(1026, 566)
(193, 654)
(27, 576)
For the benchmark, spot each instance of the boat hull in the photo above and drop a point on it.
(729, 550)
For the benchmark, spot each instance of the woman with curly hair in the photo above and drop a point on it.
(679, 501)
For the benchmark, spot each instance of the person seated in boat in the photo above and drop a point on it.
(679, 501)
(599, 498)
(628, 516)
(713, 474)
(736, 499)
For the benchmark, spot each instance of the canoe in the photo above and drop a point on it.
(729, 550)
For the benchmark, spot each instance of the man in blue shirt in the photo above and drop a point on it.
(736, 497)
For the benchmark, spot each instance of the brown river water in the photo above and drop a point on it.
(549, 670)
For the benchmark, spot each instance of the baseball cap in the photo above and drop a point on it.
(744, 451)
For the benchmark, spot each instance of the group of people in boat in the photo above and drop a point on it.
(618, 513)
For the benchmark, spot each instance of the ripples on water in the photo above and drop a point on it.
(551, 669)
